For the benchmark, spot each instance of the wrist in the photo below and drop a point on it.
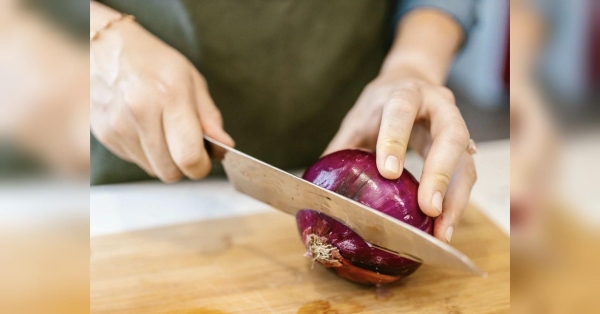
(122, 18)
(413, 65)
(99, 14)
(103, 19)
(425, 44)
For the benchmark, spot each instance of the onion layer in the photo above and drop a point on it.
(354, 174)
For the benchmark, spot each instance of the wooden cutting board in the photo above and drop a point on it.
(255, 264)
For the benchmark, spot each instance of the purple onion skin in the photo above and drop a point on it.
(354, 174)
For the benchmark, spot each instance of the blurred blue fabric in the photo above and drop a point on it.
(464, 11)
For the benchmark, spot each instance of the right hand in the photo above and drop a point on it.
(149, 104)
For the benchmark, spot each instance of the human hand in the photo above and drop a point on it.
(401, 109)
(149, 105)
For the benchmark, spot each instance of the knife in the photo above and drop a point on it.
(291, 194)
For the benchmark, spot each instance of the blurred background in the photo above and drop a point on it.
(554, 55)
(552, 120)
(479, 77)
(44, 157)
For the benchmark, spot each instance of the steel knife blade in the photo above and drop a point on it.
(290, 194)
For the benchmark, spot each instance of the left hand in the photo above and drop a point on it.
(400, 109)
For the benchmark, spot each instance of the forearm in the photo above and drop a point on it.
(425, 44)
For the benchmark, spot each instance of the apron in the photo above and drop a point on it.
(284, 73)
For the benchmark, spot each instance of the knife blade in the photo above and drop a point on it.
(290, 194)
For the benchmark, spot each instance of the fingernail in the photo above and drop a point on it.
(391, 164)
(436, 201)
(448, 234)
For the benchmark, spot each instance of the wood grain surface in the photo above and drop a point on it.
(255, 264)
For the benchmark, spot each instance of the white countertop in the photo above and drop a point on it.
(132, 206)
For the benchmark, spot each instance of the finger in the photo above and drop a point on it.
(149, 127)
(184, 139)
(117, 133)
(397, 120)
(113, 146)
(457, 198)
(108, 137)
(450, 140)
(130, 143)
(210, 116)
(136, 155)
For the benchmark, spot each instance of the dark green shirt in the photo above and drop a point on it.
(283, 73)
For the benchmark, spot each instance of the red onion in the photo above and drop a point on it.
(354, 174)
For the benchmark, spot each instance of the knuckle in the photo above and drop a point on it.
(394, 145)
(203, 172)
(410, 86)
(189, 160)
(105, 136)
(177, 65)
(181, 61)
(170, 92)
(349, 124)
(399, 107)
(137, 109)
(171, 176)
(214, 119)
(453, 216)
(117, 125)
(370, 86)
(442, 178)
(459, 135)
(447, 94)
(471, 172)
(202, 80)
